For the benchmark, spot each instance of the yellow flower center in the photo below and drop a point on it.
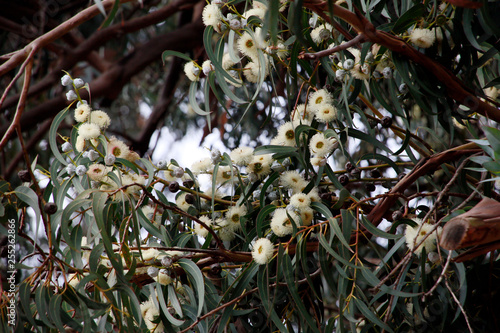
(116, 151)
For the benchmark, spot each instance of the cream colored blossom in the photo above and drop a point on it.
(118, 148)
(423, 38)
(320, 146)
(100, 118)
(199, 229)
(233, 216)
(318, 98)
(293, 180)
(286, 134)
(247, 46)
(192, 71)
(82, 113)
(80, 144)
(413, 238)
(242, 155)
(97, 172)
(325, 113)
(212, 16)
(88, 131)
(260, 165)
(180, 201)
(281, 224)
(300, 200)
(262, 251)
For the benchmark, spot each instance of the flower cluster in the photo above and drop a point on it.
(252, 55)
(94, 154)
(414, 235)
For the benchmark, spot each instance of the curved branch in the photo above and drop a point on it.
(455, 88)
(98, 39)
(426, 165)
(111, 82)
(21, 55)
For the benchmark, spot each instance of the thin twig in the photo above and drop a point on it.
(459, 305)
(443, 272)
(361, 38)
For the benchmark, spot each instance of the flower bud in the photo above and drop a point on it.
(166, 261)
(81, 170)
(109, 159)
(153, 271)
(348, 64)
(66, 80)
(387, 73)
(178, 172)
(71, 96)
(93, 155)
(78, 83)
(66, 147)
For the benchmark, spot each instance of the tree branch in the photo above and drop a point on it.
(456, 89)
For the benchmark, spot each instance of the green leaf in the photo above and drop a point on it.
(193, 89)
(241, 284)
(289, 274)
(376, 231)
(42, 296)
(368, 139)
(261, 219)
(111, 15)
(321, 208)
(370, 316)
(263, 285)
(324, 243)
(169, 53)
(54, 311)
(174, 321)
(409, 18)
(197, 277)
(53, 135)
(25, 299)
(28, 196)
(272, 149)
(493, 136)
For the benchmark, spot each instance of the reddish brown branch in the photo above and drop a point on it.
(425, 166)
(455, 88)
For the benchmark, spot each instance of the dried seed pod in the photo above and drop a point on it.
(386, 122)
(397, 215)
(370, 187)
(190, 199)
(188, 183)
(24, 175)
(344, 180)
(349, 166)
(375, 173)
(355, 172)
(50, 208)
(173, 187)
